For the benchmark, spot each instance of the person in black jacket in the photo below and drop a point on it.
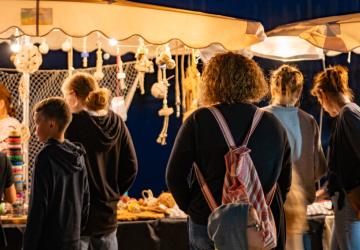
(7, 188)
(332, 91)
(59, 202)
(111, 159)
(231, 82)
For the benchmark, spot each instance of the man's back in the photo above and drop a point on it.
(59, 200)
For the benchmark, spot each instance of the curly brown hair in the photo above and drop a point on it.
(232, 78)
(334, 81)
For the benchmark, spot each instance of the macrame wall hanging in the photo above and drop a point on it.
(118, 102)
(143, 64)
(84, 53)
(177, 85)
(160, 88)
(67, 47)
(99, 63)
(191, 83)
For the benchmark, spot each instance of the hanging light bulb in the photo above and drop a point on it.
(15, 47)
(14, 42)
(67, 45)
(44, 47)
(113, 42)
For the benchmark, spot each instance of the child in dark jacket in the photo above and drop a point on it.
(59, 201)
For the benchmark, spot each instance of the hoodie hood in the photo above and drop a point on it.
(105, 129)
(68, 155)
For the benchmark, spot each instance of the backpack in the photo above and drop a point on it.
(244, 220)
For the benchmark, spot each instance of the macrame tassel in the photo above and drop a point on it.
(177, 86)
(99, 63)
(183, 101)
(84, 53)
(166, 112)
(119, 65)
(163, 63)
(70, 62)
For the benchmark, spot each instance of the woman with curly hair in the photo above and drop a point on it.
(231, 83)
(334, 94)
(308, 159)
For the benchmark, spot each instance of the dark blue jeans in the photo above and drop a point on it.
(198, 237)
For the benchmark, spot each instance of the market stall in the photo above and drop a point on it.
(161, 39)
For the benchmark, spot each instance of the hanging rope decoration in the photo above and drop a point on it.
(28, 59)
(164, 61)
(120, 75)
(84, 53)
(191, 84)
(118, 102)
(143, 64)
(67, 47)
(43, 47)
(183, 97)
(177, 86)
(99, 63)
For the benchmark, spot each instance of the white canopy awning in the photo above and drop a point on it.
(125, 22)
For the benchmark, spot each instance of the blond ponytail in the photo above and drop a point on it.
(286, 84)
(98, 99)
(87, 90)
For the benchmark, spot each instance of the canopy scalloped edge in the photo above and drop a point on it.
(122, 22)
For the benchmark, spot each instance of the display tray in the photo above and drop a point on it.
(10, 219)
(124, 215)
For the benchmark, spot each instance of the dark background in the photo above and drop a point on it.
(143, 121)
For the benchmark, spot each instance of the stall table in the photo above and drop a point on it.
(160, 234)
(168, 234)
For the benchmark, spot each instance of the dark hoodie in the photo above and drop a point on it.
(111, 163)
(59, 202)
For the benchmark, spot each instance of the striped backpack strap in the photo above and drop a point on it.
(223, 127)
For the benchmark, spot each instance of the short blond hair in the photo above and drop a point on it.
(232, 78)
(87, 90)
(334, 80)
(286, 83)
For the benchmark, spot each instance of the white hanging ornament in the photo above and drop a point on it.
(44, 47)
(119, 69)
(28, 60)
(119, 107)
(84, 53)
(106, 56)
(66, 46)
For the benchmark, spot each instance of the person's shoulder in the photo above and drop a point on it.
(269, 116)
(10, 121)
(42, 158)
(80, 116)
(306, 116)
(350, 109)
(198, 114)
(270, 122)
(350, 113)
(13, 120)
